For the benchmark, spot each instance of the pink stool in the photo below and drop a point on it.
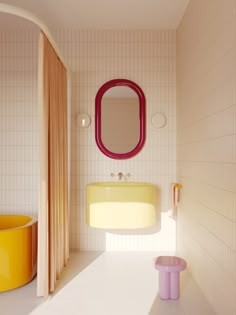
(169, 268)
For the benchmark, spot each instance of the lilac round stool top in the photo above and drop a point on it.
(170, 264)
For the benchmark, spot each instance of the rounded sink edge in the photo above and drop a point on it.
(117, 228)
(102, 184)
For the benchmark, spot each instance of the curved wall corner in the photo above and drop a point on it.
(9, 9)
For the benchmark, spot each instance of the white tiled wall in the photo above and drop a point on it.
(206, 165)
(18, 122)
(147, 58)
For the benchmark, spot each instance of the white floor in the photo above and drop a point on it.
(107, 284)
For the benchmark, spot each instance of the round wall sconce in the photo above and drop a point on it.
(158, 120)
(83, 120)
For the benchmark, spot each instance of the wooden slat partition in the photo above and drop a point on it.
(53, 208)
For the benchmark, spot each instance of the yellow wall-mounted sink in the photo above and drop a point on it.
(121, 205)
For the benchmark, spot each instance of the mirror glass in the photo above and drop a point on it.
(120, 119)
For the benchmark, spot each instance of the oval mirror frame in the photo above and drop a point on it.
(142, 118)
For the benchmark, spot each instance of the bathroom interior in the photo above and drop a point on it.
(181, 54)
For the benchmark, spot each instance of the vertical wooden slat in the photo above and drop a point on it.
(58, 174)
(65, 172)
(42, 281)
(67, 149)
(53, 197)
(61, 179)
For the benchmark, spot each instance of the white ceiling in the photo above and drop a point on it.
(102, 14)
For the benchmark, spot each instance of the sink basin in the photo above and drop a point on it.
(121, 205)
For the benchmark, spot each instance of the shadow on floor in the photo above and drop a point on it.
(191, 302)
(24, 300)
(76, 264)
(20, 301)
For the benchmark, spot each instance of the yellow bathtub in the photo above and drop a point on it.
(18, 250)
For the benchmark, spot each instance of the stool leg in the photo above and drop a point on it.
(174, 285)
(164, 285)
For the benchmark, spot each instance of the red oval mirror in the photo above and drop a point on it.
(120, 119)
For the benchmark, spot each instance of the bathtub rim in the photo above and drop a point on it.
(31, 222)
